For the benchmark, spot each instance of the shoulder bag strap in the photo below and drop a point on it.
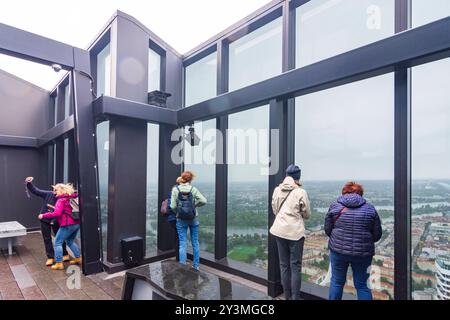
(284, 200)
(343, 210)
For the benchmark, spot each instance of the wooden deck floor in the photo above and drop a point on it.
(25, 276)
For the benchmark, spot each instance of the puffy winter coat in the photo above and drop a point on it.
(62, 211)
(357, 228)
(288, 222)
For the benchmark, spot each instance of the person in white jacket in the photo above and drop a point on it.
(290, 204)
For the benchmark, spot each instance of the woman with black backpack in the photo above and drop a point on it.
(185, 198)
(69, 224)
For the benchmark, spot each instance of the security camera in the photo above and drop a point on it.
(56, 67)
(192, 138)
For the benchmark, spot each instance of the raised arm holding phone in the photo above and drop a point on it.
(47, 225)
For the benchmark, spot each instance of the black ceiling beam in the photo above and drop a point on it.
(407, 49)
(59, 130)
(16, 141)
(33, 47)
(111, 106)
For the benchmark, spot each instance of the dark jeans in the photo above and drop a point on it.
(173, 225)
(46, 230)
(290, 255)
(339, 266)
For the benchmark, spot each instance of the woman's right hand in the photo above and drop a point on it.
(29, 179)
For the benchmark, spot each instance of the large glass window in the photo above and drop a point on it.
(201, 80)
(346, 134)
(151, 240)
(104, 72)
(256, 56)
(325, 28)
(425, 11)
(103, 166)
(430, 223)
(247, 152)
(154, 71)
(430, 234)
(201, 160)
(66, 161)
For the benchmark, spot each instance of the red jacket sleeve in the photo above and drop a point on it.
(59, 207)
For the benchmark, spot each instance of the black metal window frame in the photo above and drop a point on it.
(162, 53)
(396, 54)
(28, 46)
(402, 141)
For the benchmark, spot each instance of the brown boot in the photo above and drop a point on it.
(75, 261)
(50, 262)
(58, 266)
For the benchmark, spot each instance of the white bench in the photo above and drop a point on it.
(11, 230)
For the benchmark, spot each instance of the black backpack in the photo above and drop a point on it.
(185, 205)
(75, 215)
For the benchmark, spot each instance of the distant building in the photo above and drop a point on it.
(443, 277)
(427, 294)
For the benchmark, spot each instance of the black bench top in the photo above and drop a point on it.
(178, 281)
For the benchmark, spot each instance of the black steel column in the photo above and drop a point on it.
(402, 168)
(221, 205)
(289, 64)
(127, 183)
(278, 121)
(168, 173)
(85, 154)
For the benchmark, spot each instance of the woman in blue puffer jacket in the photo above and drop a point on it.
(353, 226)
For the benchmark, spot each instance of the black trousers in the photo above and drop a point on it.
(290, 254)
(173, 225)
(46, 230)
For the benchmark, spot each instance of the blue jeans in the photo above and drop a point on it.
(182, 227)
(66, 234)
(339, 267)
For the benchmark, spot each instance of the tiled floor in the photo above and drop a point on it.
(25, 276)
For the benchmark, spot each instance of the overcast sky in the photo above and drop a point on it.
(182, 24)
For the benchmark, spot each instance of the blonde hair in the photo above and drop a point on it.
(64, 188)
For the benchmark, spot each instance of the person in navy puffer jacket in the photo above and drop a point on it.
(353, 226)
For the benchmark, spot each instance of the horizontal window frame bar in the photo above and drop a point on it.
(410, 48)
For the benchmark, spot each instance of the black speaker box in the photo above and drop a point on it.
(132, 251)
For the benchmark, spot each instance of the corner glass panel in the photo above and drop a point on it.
(248, 186)
(201, 80)
(430, 223)
(103, 172)
(151, 239)
(154, 71)
(347, 134)
(67, 101)
(325, 28)
(201, 160)
(56, 99)
(104, 72)
(54, 164)
(66, 161)
(256, 56)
